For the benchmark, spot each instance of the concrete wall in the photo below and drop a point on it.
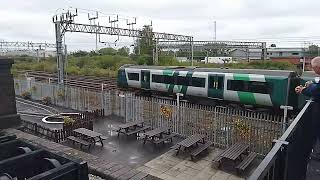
(8, 112)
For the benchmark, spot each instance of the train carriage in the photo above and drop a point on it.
(267, 88)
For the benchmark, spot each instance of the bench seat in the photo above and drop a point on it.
(103, 137)
(175, 147)
(164, 139)
(200, 149)
(80, 141)
(217, 160)
(138, 130)
(246, 161)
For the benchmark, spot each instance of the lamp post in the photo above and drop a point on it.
(178, 105)
(178, 98)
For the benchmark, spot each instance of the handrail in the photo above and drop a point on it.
(294, 123)
(266, 163)
(264, 167)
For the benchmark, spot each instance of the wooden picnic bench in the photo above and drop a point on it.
(131, 128)
(200, 149)
(86, 137)
(80, 141)
(234, 153)
(156, 136)
(190, 141)
(246, 162)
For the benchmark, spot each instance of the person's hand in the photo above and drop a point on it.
(299, 89)
(307, 84)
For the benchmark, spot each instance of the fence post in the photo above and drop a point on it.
(91, 125)
(56, 138)
(35, 128)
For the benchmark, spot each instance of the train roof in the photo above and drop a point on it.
(223, 70)
(309, 74)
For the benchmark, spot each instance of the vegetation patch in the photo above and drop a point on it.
(26, 95)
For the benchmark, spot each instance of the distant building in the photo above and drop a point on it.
(255, 54)
(33, 53)
(217, 60)
(285, 52)
(182, 59)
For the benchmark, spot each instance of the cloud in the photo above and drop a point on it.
(272, 20)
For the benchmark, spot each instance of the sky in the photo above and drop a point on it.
(286, 23)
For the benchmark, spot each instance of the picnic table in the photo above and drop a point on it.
(132, 128)
(90, 135)
(156, 136)
(190, 141)
(234, 153)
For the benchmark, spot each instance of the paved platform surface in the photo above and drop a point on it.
(123, 149)
(126, 149)
(169, 167)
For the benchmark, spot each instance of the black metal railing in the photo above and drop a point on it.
(289, 156)
(20, 159)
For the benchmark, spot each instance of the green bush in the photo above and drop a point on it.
(145, 59)
(46, 100)
(26, 95)
(68, 120)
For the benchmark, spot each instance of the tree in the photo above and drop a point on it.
(124, 51)
(312, 51)
(107, 51)
(144, 59)
(145, 44)
(79, 53)
(93, 53)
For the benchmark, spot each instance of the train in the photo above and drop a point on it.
(253, 88)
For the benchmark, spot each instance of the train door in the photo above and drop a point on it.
(216, 85)
(145, 79)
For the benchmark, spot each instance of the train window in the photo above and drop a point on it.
(198, 82)
(145, 76)
(249, 86)
(168, 80)
(237, 85)
(157, 78)
(259, 87)
(133, 76)
(220, 82)
(182, 81)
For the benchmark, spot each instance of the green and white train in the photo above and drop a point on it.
(258, 88)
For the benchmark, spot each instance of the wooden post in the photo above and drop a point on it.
(56, 138)
(35, 128)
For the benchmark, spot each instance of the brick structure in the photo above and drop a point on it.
(8, 112)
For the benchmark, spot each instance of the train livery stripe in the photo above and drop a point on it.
(169, 72)
(244, 97)
(185, 88)
(243, 77)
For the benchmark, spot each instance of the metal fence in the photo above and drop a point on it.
(289, 157)
(224, 126)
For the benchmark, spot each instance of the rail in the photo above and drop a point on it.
(288, 159)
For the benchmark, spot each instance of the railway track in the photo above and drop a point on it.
(88, 82)
(43, 107)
